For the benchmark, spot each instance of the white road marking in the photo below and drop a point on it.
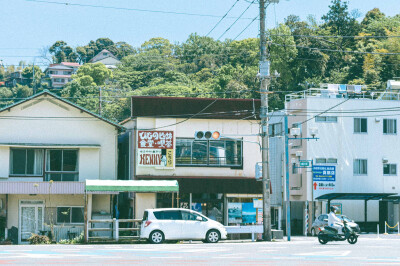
(326, 253)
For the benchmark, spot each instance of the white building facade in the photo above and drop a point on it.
(48, 148)
(358, 135)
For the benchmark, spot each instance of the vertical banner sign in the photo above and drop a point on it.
(156, 149)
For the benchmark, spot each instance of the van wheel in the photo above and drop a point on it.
(156, 237)
(213, 236)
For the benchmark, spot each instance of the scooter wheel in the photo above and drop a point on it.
(352, 239)
(322, 238)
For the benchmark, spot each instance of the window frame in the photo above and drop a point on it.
(360, 119)
(208, 162)
(70, 214)
(324, 119)
(360, 174)
(62, 172)
(390, 165)
(385, 123)
(26, 165)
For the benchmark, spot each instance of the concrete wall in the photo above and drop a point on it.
(71, 126)
(144, 201)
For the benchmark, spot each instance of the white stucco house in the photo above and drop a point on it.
(107, 58)
(48, 148)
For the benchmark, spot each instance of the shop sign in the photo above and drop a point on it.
(258, 203)
(156, 149)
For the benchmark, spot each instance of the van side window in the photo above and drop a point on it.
(168, 215)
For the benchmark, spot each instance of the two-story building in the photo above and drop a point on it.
(49, 147)
(16, 78)
(216, 172)
(57, 75)
(355, 155)
(107, 58)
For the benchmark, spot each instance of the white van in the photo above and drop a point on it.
(159, 225)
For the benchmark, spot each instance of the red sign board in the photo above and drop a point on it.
(155, 140)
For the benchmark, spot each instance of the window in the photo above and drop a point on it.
(389, 169)
(389, 126)
(62, 165)
(331, 119)
(168, 215)
(294, 168)
(67, 72)
(275, 130)
(223, 153)
(325, 160)
(26, 162)
(70, 215)
(360, 125)
(190, 216)
(360, 167)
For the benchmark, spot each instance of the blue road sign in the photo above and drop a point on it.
(324, 173)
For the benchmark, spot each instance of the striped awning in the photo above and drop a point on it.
(20, 187)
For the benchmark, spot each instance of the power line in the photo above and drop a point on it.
(335, 36)
(202, 110)
(132, 9)
(235, 20)
(222, 18)
(246, 27)
(332, 50)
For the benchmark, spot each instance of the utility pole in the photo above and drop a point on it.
(33, 77)
(264, 77)
(99, 100)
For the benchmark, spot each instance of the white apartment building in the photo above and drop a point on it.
(358, 134)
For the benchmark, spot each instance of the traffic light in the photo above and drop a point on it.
(207, 135)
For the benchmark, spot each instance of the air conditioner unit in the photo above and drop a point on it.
(299, 153)
(385, 160)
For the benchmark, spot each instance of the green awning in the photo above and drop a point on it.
(132, 185)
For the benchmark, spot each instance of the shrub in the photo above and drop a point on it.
(37, 239)
(77, 240)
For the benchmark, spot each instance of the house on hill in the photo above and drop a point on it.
(107, 58)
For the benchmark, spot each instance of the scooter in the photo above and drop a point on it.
(328, 233)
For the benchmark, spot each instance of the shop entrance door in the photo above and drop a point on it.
(31, 216)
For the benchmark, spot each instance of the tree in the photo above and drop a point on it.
(61, 52)
(27, 73)
(97, 71)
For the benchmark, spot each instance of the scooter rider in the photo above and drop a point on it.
(334, 221)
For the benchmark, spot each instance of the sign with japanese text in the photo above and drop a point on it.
(324, 173)
(324, 179)
(156, 149)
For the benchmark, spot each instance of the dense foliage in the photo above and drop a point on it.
(342, 48)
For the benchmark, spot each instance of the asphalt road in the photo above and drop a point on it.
(300, 251)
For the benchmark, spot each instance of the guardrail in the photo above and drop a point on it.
(252, 229)
(114, 229)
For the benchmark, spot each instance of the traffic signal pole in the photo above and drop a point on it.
(264, 77)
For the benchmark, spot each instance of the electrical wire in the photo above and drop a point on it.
(235, 21)
(131, 9)
(248, 25)
(222, 17)
(174, 124)
(335, 36)
(332, 50)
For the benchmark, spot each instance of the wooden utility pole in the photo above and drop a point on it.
(264, 77)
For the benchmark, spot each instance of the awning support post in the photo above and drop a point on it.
(365, 215)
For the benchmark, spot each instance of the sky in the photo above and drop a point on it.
(27, 26)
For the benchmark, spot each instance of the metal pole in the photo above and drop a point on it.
(99, 100)
(264, 126)
(287, 179)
